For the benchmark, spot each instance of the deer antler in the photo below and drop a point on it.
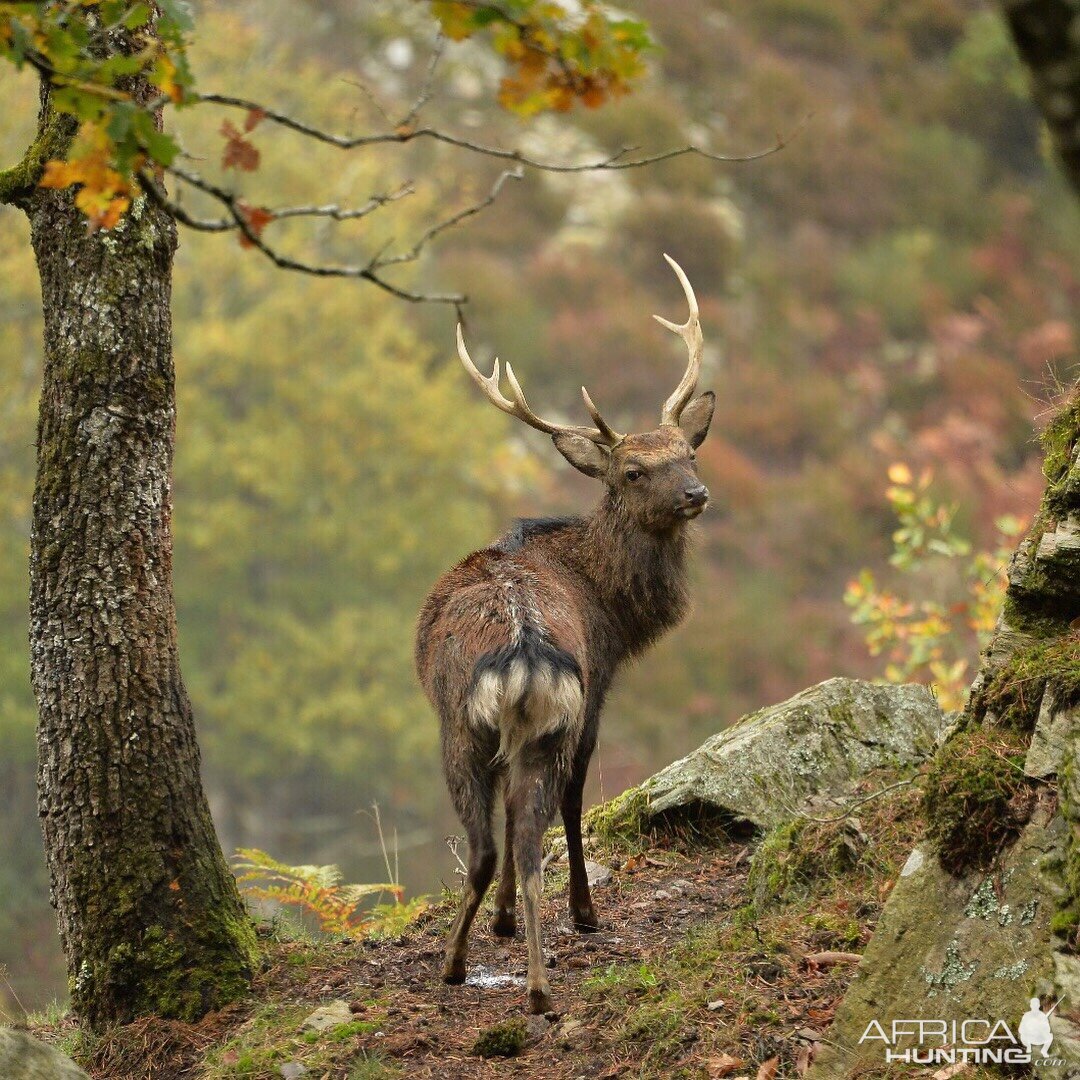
(603, 434)
(690, 332)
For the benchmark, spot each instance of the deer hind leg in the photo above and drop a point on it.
(533, 795)
(505, 922)
(477, 821)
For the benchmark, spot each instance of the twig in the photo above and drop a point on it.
(368, 272)
(856, 804)
(612, 162)
(426, 87)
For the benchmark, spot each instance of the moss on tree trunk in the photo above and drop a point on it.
(149, 915)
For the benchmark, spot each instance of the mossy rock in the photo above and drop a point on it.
(976, 797)
(951, 947)
(795, 856)
(24, 1058)
(772, 765)
(502, 1040)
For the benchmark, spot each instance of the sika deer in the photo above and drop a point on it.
(517, 645)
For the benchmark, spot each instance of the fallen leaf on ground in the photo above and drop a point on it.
(950, 1071)
(768, 1069)
(724, 1065)
(828, 959)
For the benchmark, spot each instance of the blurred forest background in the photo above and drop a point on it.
(895, 285)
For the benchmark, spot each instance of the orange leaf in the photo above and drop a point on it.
(60, 174)
(253, 119)
(256, 218)
(239, 152)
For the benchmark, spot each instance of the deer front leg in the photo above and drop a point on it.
(505, 922)
(582, 912)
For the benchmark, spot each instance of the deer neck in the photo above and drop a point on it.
(639, 575)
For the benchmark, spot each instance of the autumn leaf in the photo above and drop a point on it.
(723, 1066)
(256, 218)
(239, 153)
(254, 118)
(768, 1069)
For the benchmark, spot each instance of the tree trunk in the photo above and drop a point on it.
(1047, 36)
(150, 918)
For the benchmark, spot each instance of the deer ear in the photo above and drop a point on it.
(696, 418)
(583, 454)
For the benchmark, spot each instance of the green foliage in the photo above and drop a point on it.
(976, 797)
(931, 638)
(554, 58)
(555, 54)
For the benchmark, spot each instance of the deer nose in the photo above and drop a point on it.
(696, 496)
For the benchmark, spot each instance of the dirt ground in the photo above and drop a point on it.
(678, 983)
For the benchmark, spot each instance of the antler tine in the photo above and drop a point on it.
(602, 435)
(488, 384)
(690, 332)
(609, 433)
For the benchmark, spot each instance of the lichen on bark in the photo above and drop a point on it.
(149, 915)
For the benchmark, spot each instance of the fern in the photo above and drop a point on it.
(319, 891)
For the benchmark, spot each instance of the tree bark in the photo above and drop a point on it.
(1047, 36)
(149, 914)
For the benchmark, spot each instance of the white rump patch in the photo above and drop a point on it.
(523, 704)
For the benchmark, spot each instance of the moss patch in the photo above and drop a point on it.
(792, 857)
(1015, 691)
(976, 797)
(622, 822)
(502, 1040)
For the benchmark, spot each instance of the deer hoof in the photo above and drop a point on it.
(585, 922)
(504, 924)
(540, 1001)
(453, 971)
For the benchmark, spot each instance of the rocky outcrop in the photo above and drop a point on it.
(24, 1058)
(808, 751)
(950, 948)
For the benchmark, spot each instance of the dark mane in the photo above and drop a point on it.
(525, 528)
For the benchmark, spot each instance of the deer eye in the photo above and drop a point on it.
(634, 474)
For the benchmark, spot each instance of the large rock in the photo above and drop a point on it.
(951, 949)
(775, 763)
(24, 1058)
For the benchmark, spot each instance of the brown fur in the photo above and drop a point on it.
(517, 646)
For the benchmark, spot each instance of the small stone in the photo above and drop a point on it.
(661, 895)
(328, 1016)
(292, 1070)
(682, 884)
(597, 873)
(570, 1033)
(537, 1026)
(713, 1006)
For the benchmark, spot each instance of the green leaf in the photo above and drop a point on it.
(138, 16)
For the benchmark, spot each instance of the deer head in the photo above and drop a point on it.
(652, 475)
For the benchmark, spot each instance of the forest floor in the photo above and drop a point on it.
(701, 970)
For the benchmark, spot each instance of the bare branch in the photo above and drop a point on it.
(426, 87)
(238, 220)
(612, 162)
(448, 223)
